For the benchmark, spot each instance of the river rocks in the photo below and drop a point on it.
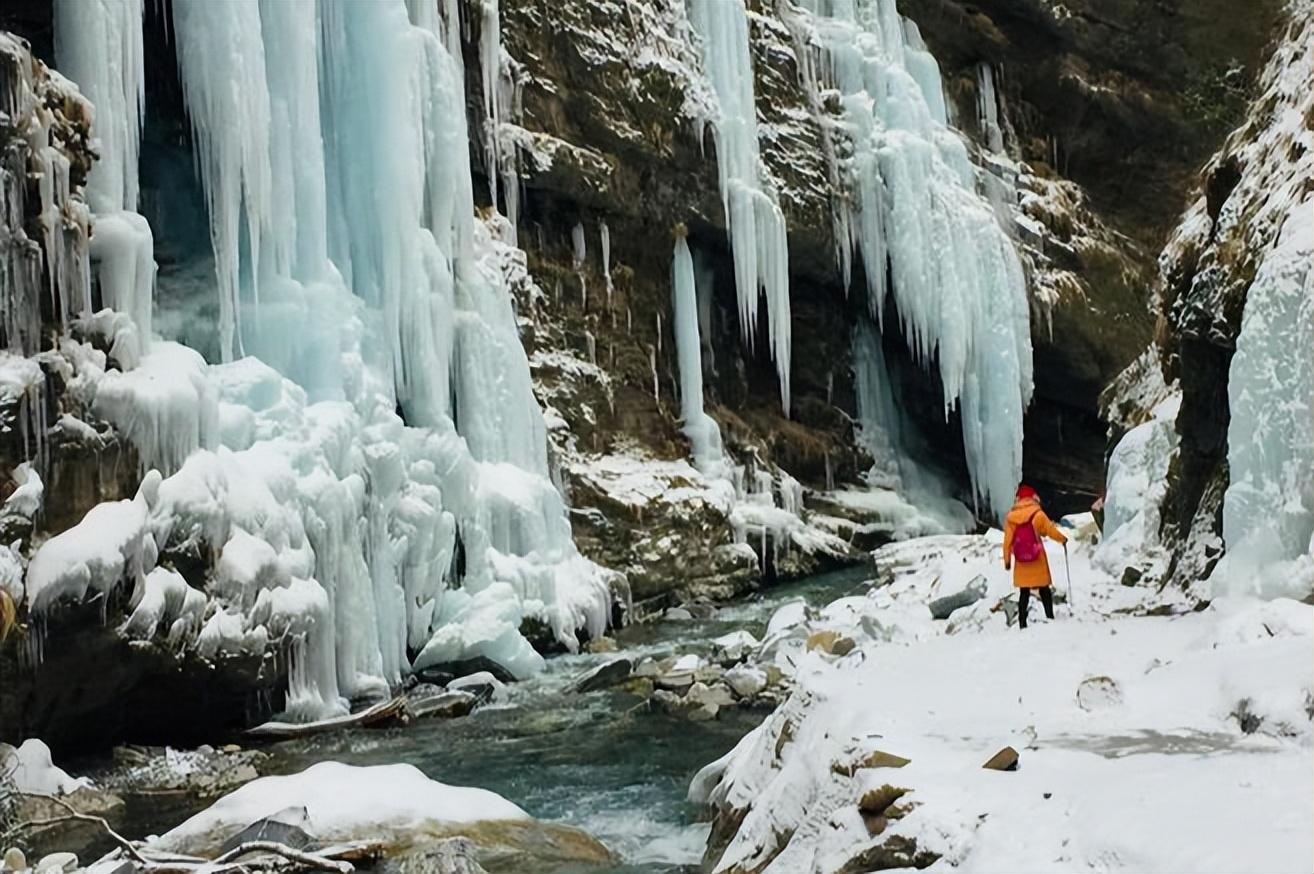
(941, 608)
(746, 680)
(601, 645)
(1004, 760)
(483, 685)
(830, 642)
(13, 860)
(677, 614)
(605, 675)
(57, 863)
(451, 704)
(734, 647)
(448, 856)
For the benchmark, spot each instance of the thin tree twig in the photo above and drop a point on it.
(318, 862)
(75, 814)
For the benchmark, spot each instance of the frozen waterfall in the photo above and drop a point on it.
(1268, 509)
(925, 234)
(374, 479)
(755, 223)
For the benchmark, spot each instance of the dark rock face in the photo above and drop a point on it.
(1126, 97)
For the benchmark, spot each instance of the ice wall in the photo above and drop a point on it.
(756, 225)
(1268, 509)
(925, 234)
(374, 485)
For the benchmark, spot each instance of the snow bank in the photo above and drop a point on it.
(343, 802)
(1195, 708)
(33, 771)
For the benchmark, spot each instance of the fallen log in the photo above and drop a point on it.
(385, 712)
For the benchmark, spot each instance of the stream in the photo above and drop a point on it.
(598, 761)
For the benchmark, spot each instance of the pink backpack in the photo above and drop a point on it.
(1026, 543)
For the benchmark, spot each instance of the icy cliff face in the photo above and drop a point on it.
(1234, 299)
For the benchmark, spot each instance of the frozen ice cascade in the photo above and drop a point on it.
(1268, 509)
(925, 234)
(372, 478)
(757, 226)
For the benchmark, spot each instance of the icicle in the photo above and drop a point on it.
(753, 218)
(659, 332)
(987, 108)
(221, 62)
(701, 429)
(606, 257)
(592, 343)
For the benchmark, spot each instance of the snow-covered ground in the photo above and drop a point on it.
(1179, 741)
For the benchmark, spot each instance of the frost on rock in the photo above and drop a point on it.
(926, 236)
(753, 218)
(1268, 509)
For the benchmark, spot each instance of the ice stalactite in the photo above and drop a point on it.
(987, 103)
(1268, 509)
(98, 44)
(927, 237)
(221, 62)
(701, 429)
(604, 235)
(754, 220)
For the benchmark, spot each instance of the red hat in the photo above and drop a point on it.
(1025, 491)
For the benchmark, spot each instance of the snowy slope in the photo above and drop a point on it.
(1132, 729)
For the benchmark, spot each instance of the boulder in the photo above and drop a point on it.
(13, 860)
(448, 856)
(830, 642)
(718, 695)
(483, 685)
(604, 675)
(735, 646)
(601, 645)
(56, 863)
(448, 705)
(677, 614)
(287, 827)
(675, 680)
(941, 608)
(647, 667)
(873, 759)
(1004, 760)
(746, 681)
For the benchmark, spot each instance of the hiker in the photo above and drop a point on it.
(1024, 526)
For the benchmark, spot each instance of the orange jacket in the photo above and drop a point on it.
(1029, 574)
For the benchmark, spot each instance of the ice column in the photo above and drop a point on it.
(1268, 509)
(927, 236)
(753, 218)
(98, 44)
(701, 429)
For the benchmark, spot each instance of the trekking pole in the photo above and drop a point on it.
(1072, 604)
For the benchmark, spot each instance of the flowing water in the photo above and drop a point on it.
(600, 761)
